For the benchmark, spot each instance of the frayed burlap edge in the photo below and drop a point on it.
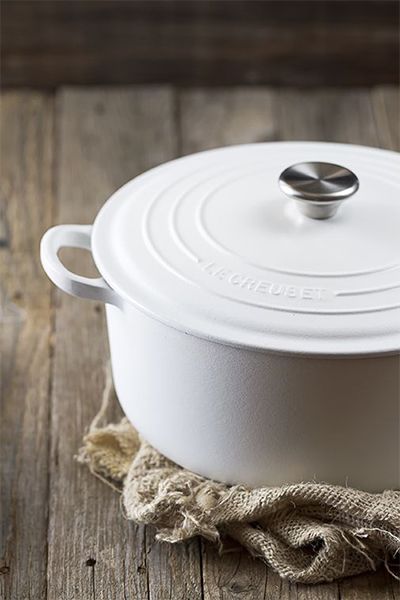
(309, 532)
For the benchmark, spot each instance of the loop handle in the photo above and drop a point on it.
(73, 236)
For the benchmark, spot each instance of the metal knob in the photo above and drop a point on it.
(318, 188)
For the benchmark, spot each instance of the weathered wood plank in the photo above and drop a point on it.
(212, 118)
(372, 586)
(326, 115)
(233, 574)
(386, 107)
(174, 571)
(25, 329)
(106, 137)
(396, 589)
(322, 591)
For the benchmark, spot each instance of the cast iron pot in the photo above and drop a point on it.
(253, 308)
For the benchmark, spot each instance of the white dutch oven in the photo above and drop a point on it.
(255, 338)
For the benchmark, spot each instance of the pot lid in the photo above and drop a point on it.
(231, 245)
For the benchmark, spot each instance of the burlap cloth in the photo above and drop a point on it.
(309, 532)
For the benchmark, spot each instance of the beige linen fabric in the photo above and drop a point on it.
(309, 532)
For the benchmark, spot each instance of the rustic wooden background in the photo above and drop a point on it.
(63, 536)
(203, 42)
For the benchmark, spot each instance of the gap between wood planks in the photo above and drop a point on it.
(74, 157)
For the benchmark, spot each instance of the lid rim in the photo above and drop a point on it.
(269, 341)
(351, 353)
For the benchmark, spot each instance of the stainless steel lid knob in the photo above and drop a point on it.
(318, 188)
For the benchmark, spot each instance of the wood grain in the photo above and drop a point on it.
(386, 110)
(372, 586)
(25, 342)
(330, 115)
(233, 574)
(174, 570)
(212, 118)
(62, 533)
(200, 42)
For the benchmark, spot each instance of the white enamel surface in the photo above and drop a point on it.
(257, 418)
(288, 284)
(210, 245)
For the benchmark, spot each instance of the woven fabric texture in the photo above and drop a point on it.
(309, 532)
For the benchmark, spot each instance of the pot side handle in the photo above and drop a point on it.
(73, 236)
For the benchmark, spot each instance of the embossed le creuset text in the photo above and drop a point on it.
(261, 286)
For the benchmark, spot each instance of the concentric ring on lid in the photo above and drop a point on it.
(209, 244)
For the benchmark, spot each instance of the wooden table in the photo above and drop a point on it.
(62, 532)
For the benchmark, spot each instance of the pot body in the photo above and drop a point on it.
(257, 418)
